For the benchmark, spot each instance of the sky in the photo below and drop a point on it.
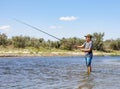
(61, 18)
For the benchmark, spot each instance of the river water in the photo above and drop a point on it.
(59, 73)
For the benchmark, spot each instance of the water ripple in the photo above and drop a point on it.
(58, 73)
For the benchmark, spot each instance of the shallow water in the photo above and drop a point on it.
(59, 73)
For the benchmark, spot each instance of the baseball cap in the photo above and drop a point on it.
(88, 35)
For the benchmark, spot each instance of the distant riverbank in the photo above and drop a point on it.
(26, 52)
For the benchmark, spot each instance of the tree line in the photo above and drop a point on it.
(64, 43)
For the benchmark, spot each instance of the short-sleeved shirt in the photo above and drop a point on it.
(88, 45)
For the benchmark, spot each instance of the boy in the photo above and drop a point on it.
(87, 48)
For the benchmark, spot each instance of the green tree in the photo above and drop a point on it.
(68, 43)
(98, 41)
(19, 41)
(115, 44)
(34, 42)
(56, 44)
(9, 42)
(3, 39)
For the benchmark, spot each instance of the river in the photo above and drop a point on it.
(59, 73)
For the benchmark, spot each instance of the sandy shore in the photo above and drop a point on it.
(21, 54)
(26, 53)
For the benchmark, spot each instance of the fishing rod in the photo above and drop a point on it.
(36, 29)
(65, 42)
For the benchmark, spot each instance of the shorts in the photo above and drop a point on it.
(88, 60)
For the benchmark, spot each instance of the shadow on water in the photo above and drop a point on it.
(86, 81)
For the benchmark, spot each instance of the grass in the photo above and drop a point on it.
(49, 52)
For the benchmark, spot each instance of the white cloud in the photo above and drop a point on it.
(5, 27)
(55, 27)
(68, 18)
(52, 27)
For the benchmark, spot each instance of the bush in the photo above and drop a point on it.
(3, 40)
(19, 41)
(115, 44)
(98, 41)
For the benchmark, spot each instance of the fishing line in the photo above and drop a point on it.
(37, 29)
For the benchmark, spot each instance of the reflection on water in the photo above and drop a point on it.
(59, 73)
(86, 82)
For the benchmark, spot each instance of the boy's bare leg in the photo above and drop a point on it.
(89, 69)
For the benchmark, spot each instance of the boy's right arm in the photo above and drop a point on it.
(77, 46)
(82, 46)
